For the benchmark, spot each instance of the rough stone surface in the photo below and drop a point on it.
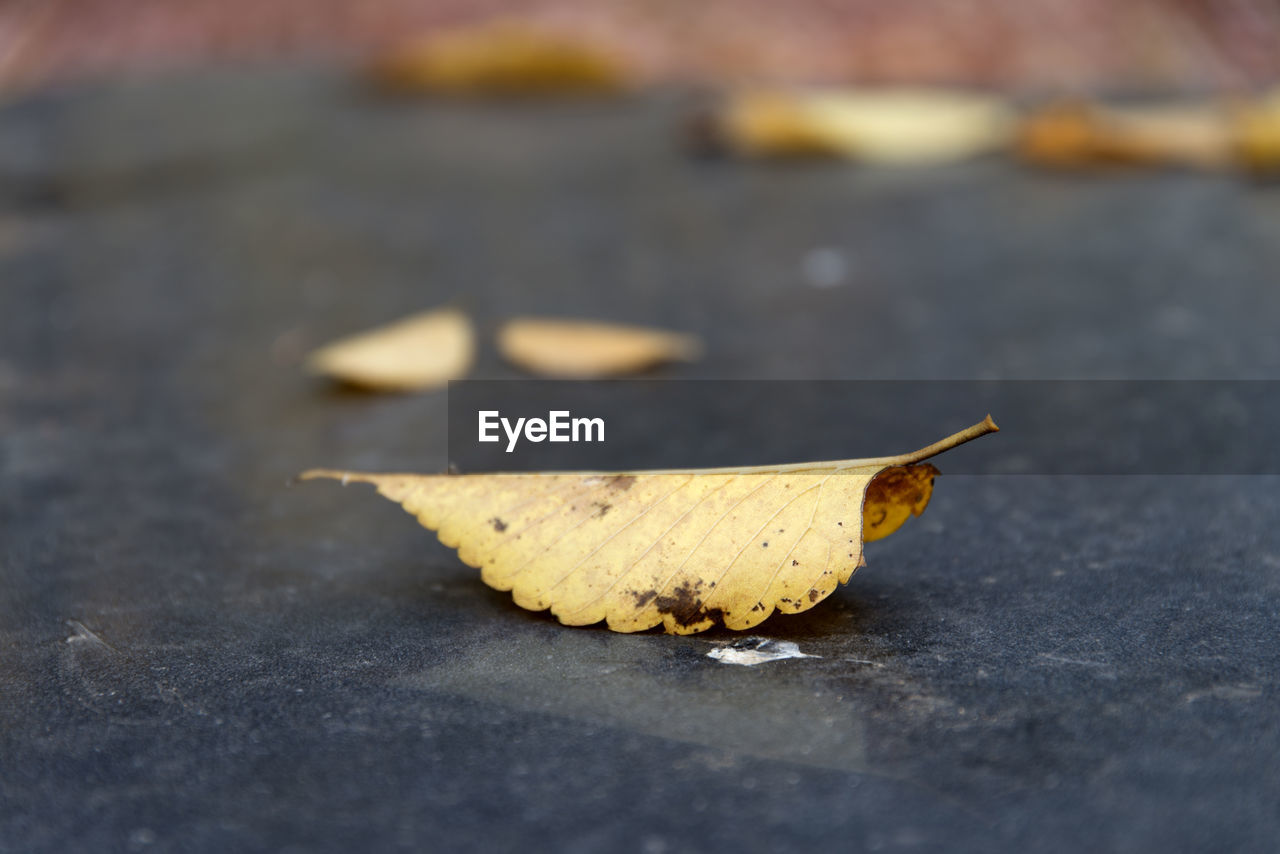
(197, 656)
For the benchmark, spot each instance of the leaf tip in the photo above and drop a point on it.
(990, 424)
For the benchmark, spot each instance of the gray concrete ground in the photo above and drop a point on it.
(199, 657)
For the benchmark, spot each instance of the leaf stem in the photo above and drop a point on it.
(968, 434)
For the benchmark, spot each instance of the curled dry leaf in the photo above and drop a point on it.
(904, 126)
(504, 58)
(686, 549)
(581, 349)
(420, 352)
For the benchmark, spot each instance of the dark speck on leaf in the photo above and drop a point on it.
(498, 524)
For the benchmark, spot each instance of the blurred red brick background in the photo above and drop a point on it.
(1167, 44)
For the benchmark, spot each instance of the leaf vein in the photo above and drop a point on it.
(636, 562)
(764, 525)
(707, 533)
(616, 532)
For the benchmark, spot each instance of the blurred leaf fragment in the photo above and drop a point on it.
(1078, 133)
(419, 352)
(1221, 134)
(584, 349)
(907, 126)
(501, 58)
(1258, 133)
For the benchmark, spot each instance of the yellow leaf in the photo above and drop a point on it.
(905, 126)
(420, 352)
(501, 58)
(572, 348)
(684, 548)
(1257, 133)
(1075, 133)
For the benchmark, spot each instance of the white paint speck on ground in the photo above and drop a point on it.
(83, 634)
(751, 651)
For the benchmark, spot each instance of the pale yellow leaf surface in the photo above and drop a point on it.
(501, 58)
(419, 352)
(1204, 134)
(684, 549)
(892, 126)
(581, 349)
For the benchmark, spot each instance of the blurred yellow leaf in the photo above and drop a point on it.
(892, 126)
(1257, 127)
(687, 549)
(582, 349)
(420, 352)
(1077, 133)
(505, 58)
(1220, 134)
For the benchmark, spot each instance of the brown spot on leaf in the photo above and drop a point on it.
(684, 605)
(813, 595)
(498, 524)
(601, 508)
(795, 563)
(643, 598)
(621, 482)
